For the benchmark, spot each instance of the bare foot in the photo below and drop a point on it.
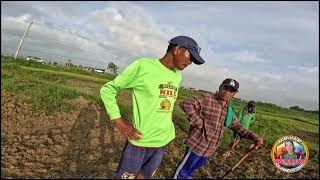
(226, 154)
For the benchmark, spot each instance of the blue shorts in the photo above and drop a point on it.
(136, 159)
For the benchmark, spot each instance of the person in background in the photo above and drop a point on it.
(246, 116)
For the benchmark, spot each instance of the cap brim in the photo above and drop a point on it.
(197, 59)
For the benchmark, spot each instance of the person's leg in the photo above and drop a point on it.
(231, 146)
(181, 163)
(140, 176)
(201, 162)
(227, 152)
(151, 162)
(236, 143)
(130, 162)
(188, 165)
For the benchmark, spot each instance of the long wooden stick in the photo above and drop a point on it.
(249, 151)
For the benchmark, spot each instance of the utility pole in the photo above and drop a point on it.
(24, 35)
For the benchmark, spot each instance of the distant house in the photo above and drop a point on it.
(88, 69)
(53, 63)
(99, 70)
(32, 58)
(190, 88)
(204, 91)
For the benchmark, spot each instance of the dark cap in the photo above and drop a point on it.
(232, 83)
(252, 103)
(191, 45)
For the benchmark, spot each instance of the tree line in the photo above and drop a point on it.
(297, 108)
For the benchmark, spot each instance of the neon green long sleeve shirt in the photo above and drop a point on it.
(155, 90)
(246, 119)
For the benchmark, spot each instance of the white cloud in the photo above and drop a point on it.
(314, 69)
(272, 76)
(305, 68)
(247, 57)
(134, 29)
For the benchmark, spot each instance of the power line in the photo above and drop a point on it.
(65, 43)
(11, 32)
(50, 54)
(73, 47)
(59, 41)
(58, 27)
(46, 53)
(62, 29)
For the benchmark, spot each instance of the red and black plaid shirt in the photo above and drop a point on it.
(207, 115)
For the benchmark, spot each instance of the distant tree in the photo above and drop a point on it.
(69, 64)
(313, 112)
(297, 108)
(113, 68)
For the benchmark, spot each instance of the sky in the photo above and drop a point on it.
(270, 48)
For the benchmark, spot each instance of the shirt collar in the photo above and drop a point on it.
(216, 95)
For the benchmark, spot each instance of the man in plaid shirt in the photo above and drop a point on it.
(207, 115)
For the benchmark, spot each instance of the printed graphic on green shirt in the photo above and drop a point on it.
(167, 92)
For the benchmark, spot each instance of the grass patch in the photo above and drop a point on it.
(47, 88)
(51, 98)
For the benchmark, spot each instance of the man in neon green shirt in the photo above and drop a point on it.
(246, 116)
(155, 84)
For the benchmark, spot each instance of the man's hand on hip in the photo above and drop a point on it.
(127, 129)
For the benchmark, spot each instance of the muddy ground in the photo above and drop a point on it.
(84, 144)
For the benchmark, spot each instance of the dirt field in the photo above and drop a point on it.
(84, 144)
(73, 145)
